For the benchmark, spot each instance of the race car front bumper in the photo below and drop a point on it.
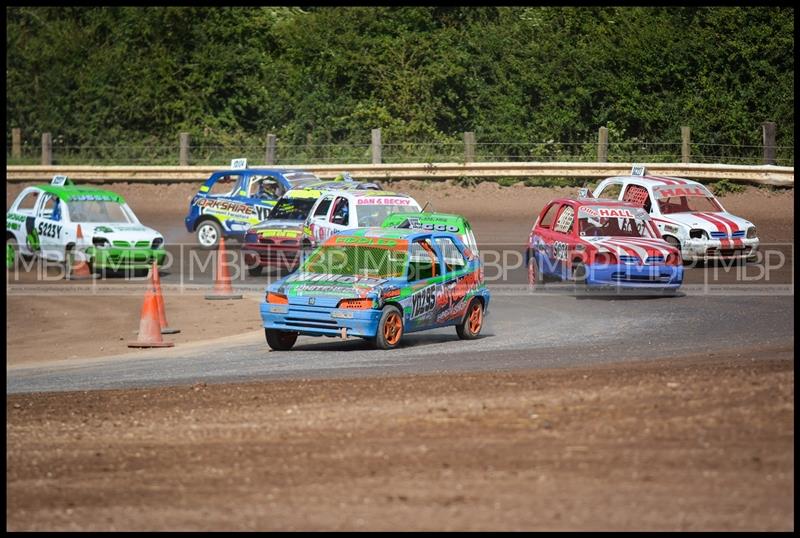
(715, 249)
(321, 319)
(634, 276)
(125, 258)
(257, 254)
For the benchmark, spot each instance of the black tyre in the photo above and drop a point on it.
(470, 328)
(673, 242)
(535, 277)
(579, 274)
(280, 340)
(208, 234)
(390, 328)
(255, 271)
(70, 258)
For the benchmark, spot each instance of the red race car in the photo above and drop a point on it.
(595, 242)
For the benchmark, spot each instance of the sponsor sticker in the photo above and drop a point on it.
(670, 191)
(384, 200)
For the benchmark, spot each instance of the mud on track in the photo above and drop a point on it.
(696, 443)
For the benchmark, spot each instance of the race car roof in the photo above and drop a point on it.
(372, 193)
(388, 233)
(315, 190)
(658, 180)
(399, 219)
(308, 191)
(580, 202)
(70, 193)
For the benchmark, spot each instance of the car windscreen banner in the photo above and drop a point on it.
(617, 212)
(671, 191)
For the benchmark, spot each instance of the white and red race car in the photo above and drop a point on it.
(687, 214)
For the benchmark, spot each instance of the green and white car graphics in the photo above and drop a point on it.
(54, 221)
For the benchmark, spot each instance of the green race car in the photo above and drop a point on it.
(54, 221)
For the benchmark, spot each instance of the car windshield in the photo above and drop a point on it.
(292, 208)
(370, 215)
(688, 204)
(375, 262)
(97, 211)
(613, 227)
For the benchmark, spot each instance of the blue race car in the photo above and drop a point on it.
(230, 201)
(378, 284)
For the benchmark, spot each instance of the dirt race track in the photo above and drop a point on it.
(570, 414)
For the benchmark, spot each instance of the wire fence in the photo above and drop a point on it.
(395, 153)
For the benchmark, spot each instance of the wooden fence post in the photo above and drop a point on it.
(270, 149)
(469, 146)
(47, 149)
(686, 135)
(769, 129)
(602, 145)
(184, 155)
(16, 143)
(376, 146)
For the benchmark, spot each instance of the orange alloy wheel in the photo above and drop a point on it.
(475, 318)
(392, 328)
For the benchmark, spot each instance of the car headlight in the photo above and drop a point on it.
(751, 232)
(100, 242)
(158, 242)
(697, 233)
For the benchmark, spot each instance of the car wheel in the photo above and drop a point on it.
(69, 260)
(11, 252)
(471, 327)
(280, 340)
(579, 278)
(390, 328)
(535, 277)
(673, 242)
(208, 233)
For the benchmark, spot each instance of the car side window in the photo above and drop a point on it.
(224, 185)
(639, 196)
(341, 212)
(322, 208)
(612, 190)
(452, 257)
(547, 219)
(565, 220)
(51, 208)
(28, 203)
(422, 260)
(265, 188)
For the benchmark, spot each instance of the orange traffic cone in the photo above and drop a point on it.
(162, 315)
(149, 327)
(222, 285)
(77, 268)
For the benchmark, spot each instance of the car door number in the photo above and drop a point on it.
(560, 250)
(47, 229)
